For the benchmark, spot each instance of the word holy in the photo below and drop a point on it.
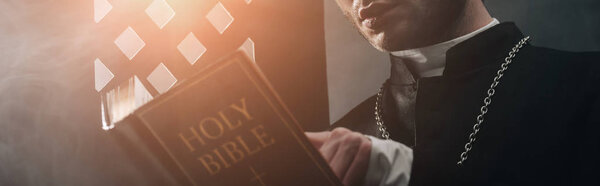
(231, 150)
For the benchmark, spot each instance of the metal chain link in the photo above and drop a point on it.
(488, 100)
(379, 115)
(483, 110)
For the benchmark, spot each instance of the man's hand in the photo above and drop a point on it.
(346, 152)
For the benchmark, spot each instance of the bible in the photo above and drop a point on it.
(223, 126)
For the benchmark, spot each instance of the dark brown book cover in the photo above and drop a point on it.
(224, 126)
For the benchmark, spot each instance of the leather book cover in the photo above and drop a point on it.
(224, 126)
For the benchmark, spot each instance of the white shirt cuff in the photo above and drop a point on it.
(390, 163)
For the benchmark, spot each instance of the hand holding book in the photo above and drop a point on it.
(346, 152)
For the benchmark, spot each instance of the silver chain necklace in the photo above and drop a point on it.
(484, 109)
(379, 115)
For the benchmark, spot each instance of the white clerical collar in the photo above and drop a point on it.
(430, 60)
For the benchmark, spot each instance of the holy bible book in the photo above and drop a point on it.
(223, 126)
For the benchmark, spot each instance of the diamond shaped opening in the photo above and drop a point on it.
(161, 78)
(102, 75)
(101, 8)
(191, 48)
(160, 12)
(219, 17)
(129, 43)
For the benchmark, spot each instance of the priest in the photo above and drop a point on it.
(469, 102)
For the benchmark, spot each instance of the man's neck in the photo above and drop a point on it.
(427, 61)
(474, 16)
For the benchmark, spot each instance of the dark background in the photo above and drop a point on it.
(572, 25)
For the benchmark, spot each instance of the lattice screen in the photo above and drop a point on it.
(154, 44)
(131, 44)
(160, 12)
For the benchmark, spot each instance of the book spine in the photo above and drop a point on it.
(146, 154)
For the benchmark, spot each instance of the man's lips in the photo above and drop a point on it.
(372, 15)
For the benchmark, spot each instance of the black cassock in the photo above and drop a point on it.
(542, 127)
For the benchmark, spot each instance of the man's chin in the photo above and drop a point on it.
(391, 39)
(384, 45)
(378, 42)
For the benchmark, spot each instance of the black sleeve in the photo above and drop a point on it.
(587, 148)
(587, 136)
(360, 118)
